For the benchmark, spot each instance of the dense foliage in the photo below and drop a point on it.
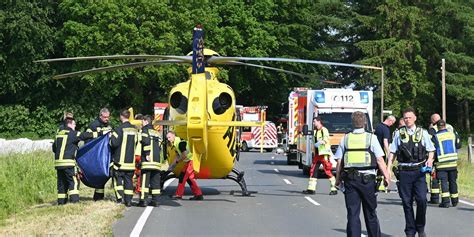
(407, 38)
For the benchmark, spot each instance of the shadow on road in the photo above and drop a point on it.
(390, 201)
(363, 232)
(465, 209)
(269, 162)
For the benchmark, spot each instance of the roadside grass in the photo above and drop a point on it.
(465, 176)
(28, 201)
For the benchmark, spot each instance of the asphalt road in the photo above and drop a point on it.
(278, 209)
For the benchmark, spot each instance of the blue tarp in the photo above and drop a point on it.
(94, 159)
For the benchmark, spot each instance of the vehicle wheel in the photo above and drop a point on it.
(290, 160)
(298, 160)
(244, 146)
(269, 149)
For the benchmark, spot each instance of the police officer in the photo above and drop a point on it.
(358, 156)
(100, 126)
(446, 163)
(152, 163)
(123, 142)
(435, 182)
(322, 153)
(65, 147)
(181, 147)
(412, 146)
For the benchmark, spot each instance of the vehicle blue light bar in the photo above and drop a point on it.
(319, 97)
(364, 97)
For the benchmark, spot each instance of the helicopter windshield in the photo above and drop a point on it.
(341, 122)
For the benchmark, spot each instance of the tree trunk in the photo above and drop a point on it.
(466, 116)
(460, 115)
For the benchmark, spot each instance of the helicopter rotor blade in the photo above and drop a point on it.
(116, 67)
(222, 60)
(280, 70)
(187, 59)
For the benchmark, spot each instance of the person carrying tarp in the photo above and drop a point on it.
(65, 147)
(123, 142)
(151, 163)
(100, 126)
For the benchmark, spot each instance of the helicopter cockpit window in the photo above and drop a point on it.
(179, 102)
(208, 75)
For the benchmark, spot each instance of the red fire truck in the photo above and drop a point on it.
(251, 136)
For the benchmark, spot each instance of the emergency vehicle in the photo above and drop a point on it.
(159, 112)
(335, 107)
(250, 137)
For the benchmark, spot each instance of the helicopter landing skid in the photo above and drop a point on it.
(238, 176)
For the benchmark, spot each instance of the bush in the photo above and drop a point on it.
(18, 121)
(26, 179)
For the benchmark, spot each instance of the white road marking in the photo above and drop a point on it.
(142, 220)
(466, 202)
(311, 201)
(272, 163)
(287, 181)
(276, 170)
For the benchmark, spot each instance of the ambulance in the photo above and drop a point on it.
(250, 137)
(335, 107)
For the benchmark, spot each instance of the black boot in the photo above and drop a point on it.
(454, 201)
(142, 203)
(444, 204)
(309, 192)
(198, 197)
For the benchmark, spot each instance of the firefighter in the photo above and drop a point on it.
(445, 142)
(412, 146)
(138, 152)
(65, 147)
(322, 153)
(63, 125)
(123, 143)
(358, 156)
(181, 147)
(152, 163)
(435, 182)
(100, 126)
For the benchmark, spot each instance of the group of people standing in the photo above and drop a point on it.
(362, 157)
(124, 142)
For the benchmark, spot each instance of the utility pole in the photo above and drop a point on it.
(381, 97)
(443, 88)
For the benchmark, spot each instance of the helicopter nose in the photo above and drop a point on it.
(222, 103)
(179, 102)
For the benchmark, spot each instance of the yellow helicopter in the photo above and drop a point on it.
(202, 110)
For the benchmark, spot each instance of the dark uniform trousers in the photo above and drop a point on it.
(68, 185)
(434, 197)
(151, 183)
(123, 185)
(448, 179)
(413, 186)
(361, 190)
